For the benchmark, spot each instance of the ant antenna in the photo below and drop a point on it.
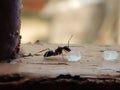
(69, 40)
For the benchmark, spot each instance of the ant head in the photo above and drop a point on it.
(66, 48)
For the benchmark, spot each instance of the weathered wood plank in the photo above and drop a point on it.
(34, 69)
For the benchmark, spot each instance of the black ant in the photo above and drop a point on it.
(59, 50)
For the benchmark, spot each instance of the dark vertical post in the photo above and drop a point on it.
(9, 28)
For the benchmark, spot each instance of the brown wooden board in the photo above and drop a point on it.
(34, 72)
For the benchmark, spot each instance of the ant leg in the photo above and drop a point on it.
(44, 50)
(41, 51)
(63, 56)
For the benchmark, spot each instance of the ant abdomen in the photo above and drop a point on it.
(49, 53)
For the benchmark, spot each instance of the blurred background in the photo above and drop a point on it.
(54, 21)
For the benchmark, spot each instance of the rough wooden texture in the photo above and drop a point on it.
(33, 72)
(9, 28)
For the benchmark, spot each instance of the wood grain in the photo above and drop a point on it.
(33, 69)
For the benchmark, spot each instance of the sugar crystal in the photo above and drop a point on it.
(110, 55)
(74, 56)
(13, 62)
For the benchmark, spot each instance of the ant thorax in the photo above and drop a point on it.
(58, 50)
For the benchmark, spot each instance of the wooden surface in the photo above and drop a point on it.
(31, 66)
